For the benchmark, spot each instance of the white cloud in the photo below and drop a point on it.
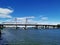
(5, 13)
(23, 19)
(31, 21)
(5, 16)
(43, 18)
(28, 17)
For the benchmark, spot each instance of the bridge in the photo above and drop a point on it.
(36, 26)
(26, 24)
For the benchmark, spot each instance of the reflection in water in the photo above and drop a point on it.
(31, 37)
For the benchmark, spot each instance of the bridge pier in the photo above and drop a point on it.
(53, 27)
(58, 26)
(16, 26)
(50, 27)
(0, 34)
(1, 27)
(25, 27)
(36, 27)
(42, 26)
(46, 27)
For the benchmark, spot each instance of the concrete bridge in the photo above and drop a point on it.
(36, 26)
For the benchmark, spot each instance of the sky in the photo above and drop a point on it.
(36, 11)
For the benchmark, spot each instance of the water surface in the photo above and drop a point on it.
(14, 36)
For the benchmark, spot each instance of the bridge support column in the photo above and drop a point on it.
(1, 27)
(46, 27)
(43, 27)
(36, 27)
(16, 26)
(0, 34)
(54, 27)
(58, 26)
(25, 27)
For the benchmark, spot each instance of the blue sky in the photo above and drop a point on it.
(40, 9)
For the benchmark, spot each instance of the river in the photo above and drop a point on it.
(12, 36)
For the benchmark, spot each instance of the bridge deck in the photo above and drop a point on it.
(30, 24)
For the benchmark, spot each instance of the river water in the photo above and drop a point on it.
(12, 36)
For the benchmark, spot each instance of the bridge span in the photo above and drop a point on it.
(36, 26)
